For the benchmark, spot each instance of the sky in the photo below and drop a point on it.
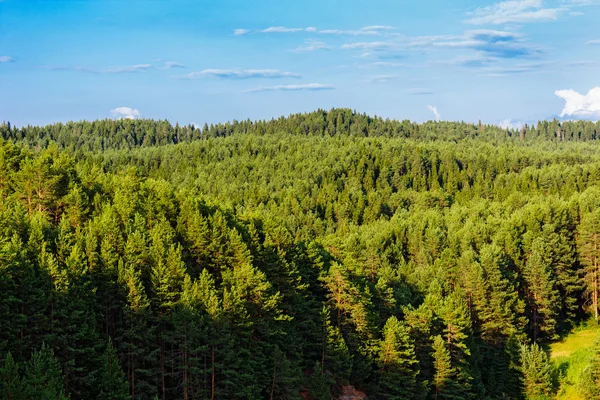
(198, 61)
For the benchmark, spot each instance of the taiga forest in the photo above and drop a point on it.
(304, 257)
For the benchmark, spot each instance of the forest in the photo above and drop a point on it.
(295, 258)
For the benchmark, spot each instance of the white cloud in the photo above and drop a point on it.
(510, 124)
(240, 74)
(593, 42)
(125, 112)
(314, 87)
(579, 105)
(435, 112)
(513, 11)
(311, 45)
(241, 32)
(6, 59)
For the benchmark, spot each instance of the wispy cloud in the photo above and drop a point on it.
(311, 45)
(420, 91)
(313, 87)
(241, 32)
(130, 68)
(494, 43)
(373, 30)
(435, 112)
(583, 63)
(388, 64)
(344, 32)
(513, 11)
(593, 42)
(471, 62)
(580, 105)
(171, 65)
(125, 112)
(283, 29)
(6, 59)
(370, 45)
(239, 74)
(489, 43)
(377, 28)
(514, 70)
(383, 78)
(115, 70)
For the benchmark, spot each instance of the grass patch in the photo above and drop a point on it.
(571, 356)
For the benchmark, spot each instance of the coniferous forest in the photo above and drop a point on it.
(296, 258)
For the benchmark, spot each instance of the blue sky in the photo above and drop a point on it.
(196, 61)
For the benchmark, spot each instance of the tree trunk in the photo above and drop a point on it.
(595, 278)
(212, 390)
(274, 377)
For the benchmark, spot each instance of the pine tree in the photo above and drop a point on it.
(10, 381)
(589, 380)
(589, 251)
(542, 297)
(111, 383)
(444, 372)
(43, 377)
(397, 362)
(537, 372)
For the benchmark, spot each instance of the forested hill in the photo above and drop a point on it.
(131, 133)
(299, 258)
